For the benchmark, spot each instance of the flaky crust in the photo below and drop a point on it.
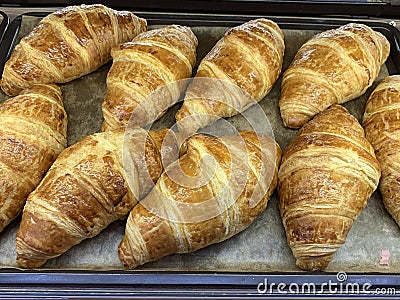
(83, 192)
(328, 173)
(68, 44)
(178, 216)
(382, 128)
(250, 57)
(334, 66)
(33, 130)
(153, 59)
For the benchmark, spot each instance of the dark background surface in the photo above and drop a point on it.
(310, 7)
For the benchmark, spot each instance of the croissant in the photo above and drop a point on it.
(381, 123)
(328, 173)
(334, 66)
(84, 191)
(33, 129)
(244, 65)
(68, 44)
(224, 184)
(153, 59)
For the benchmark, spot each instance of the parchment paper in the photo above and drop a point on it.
(263, 246)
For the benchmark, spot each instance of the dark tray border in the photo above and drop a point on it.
(4, 24)
(286, 7)
(191, 285)
(188, 285)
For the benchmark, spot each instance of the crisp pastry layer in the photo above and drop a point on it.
(68, 44)
(334, 66)
(328, 173)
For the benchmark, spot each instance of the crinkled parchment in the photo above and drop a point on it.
(263, 246)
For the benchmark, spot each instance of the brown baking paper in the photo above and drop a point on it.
(261, 247)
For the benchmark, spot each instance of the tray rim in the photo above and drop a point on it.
(173, 285)
(295, 7)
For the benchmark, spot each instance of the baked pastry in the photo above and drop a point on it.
(152, 60)
(214, 191)
(84, 191)
(334, 66)
(328, 173)
(382, 123)
(242, 67)
(33, 128)
(68, 44)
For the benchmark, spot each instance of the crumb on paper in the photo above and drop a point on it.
(384, 258)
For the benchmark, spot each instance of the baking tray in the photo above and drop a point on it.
(195, 284)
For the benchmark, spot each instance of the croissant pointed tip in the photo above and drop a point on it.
(9, 89)
(126, 259)
(295, 120)
(29, 263)
(314, 263)
(104, 127)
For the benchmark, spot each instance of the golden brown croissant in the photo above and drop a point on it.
(224, 184)
(249, 57)
(68, 44)
(33, 128)
(84, 191)
(382, 124)
(334, 66)
(327, 174)
(153, 59)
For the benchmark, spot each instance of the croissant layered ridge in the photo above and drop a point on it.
(67, 44)
(147, 74)
(382, 124)
(33, 128)
(244, 65)
(334, 66)
(328, 173)
(85, 190)
(214, 191)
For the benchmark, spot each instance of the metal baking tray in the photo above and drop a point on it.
(199, 284)
(366, 8)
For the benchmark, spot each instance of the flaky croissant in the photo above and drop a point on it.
(248, 57)
(153, 59)
(224, 184)
(382, 128)
(33, 128)
(68, 44)
(84, 191)
(334, 66)
(328, 173)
